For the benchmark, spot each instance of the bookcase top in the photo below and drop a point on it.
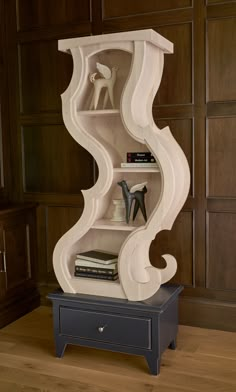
(148, 35)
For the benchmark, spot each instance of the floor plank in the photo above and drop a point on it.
(205, 360)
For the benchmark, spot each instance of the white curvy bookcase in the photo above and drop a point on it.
(108, 134)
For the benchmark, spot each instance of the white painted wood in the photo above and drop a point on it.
(107, 224)
(136, 170)
(94, 113)
(148, 35)
(108, 134)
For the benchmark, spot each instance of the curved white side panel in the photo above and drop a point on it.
(141, 280)
(66, 247)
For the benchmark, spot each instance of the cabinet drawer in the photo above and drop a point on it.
(106, 327)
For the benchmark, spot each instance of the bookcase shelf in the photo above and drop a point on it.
(136, 170)
(106, 224)
(125, 125)
(98, 113)
(99, 281)
(85, 284)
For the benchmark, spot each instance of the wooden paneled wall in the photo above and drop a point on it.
(4, 114)
(196, 99)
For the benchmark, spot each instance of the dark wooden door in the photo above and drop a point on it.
(2, 266)
(16, 252)
(18, 291)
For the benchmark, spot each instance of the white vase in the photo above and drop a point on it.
(119, 210)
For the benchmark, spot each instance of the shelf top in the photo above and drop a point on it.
(137, 170)
(106, 224)
(104, 112)
(148, 35)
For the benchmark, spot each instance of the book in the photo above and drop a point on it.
(132, 164)
(141, 160)
(93, 264)
(96, 276)
(99, 256)
(102, 271)
(144, 154)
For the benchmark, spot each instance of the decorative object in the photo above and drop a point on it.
(118, 211)
(136, 193)
(107, 134)
(107, 81)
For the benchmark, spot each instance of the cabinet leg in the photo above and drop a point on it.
(172, 344)
(153, 364)
(60, 348)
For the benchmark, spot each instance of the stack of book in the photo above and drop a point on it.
(96, 264)
(139, 159)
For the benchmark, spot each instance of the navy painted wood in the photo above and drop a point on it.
(144, 328)
(113, 328)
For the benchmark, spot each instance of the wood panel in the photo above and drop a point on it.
(206, 313)
(147, 20)
(221, 157)
(53, 161)
(221, 241)
(200, 139)
(59, 220)
(16, 239)
(221, 109)
(221, 9)
(209, 2)
(1, 140)
(44, 74)
(41, 13)
(173, 111)
(178, 242)
(177, 67)
(1, 91)
(133, 7)
(41, 220)
(221, 40)
(4, 114)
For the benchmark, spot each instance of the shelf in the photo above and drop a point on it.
(121, 123)
(104, 112)
(103, 281)
(136, 170)
(106, 224)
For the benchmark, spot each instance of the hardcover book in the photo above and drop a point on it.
(141, 160)
(93, 264)
(144, 154)
(138, 164)
(103, 271)
(96, 276)
(98, 256)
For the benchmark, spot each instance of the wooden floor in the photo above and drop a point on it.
(205, 360)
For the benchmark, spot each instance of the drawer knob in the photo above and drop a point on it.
(101, 329)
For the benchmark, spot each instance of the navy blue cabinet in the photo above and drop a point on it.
(144, 328)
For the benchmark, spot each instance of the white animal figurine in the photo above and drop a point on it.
(107, 81)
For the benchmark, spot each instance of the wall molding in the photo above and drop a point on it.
(207, 313)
